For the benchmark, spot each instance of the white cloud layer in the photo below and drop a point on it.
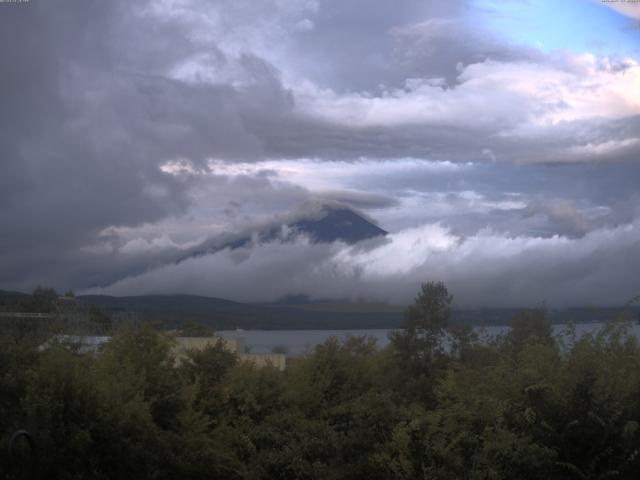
(629, 8)
(484, 269)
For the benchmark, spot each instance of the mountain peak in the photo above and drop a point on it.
(333, 223)
(322, 223)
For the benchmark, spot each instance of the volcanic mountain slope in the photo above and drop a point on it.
(338, 224)
(325, 224)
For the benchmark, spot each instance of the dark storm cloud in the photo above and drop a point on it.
(65, 147)
(88, 116)
(344, 31)
(358, 199)
(131, 132)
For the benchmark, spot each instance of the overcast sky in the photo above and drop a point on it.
(497, 141)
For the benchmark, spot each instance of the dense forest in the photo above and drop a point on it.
(437, 403)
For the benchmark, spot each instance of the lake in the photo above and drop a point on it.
(297, 342)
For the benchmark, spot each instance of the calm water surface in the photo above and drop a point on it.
(297, 342)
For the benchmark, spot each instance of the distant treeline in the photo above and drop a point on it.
(526, 405)
(170, 311)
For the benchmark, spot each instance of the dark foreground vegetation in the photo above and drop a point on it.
(523, 406)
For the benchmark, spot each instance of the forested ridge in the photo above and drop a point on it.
(289, 313)
(526, 405)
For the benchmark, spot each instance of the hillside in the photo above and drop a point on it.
(220, 314)
(298, 313)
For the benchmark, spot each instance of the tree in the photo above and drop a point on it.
(463, 341)
(415, 346)
(205, 370)
(425, 320)
(190, 328)
(43, 299)
(530, 327)
(141, 361)
(430, 312)
(100, 321)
